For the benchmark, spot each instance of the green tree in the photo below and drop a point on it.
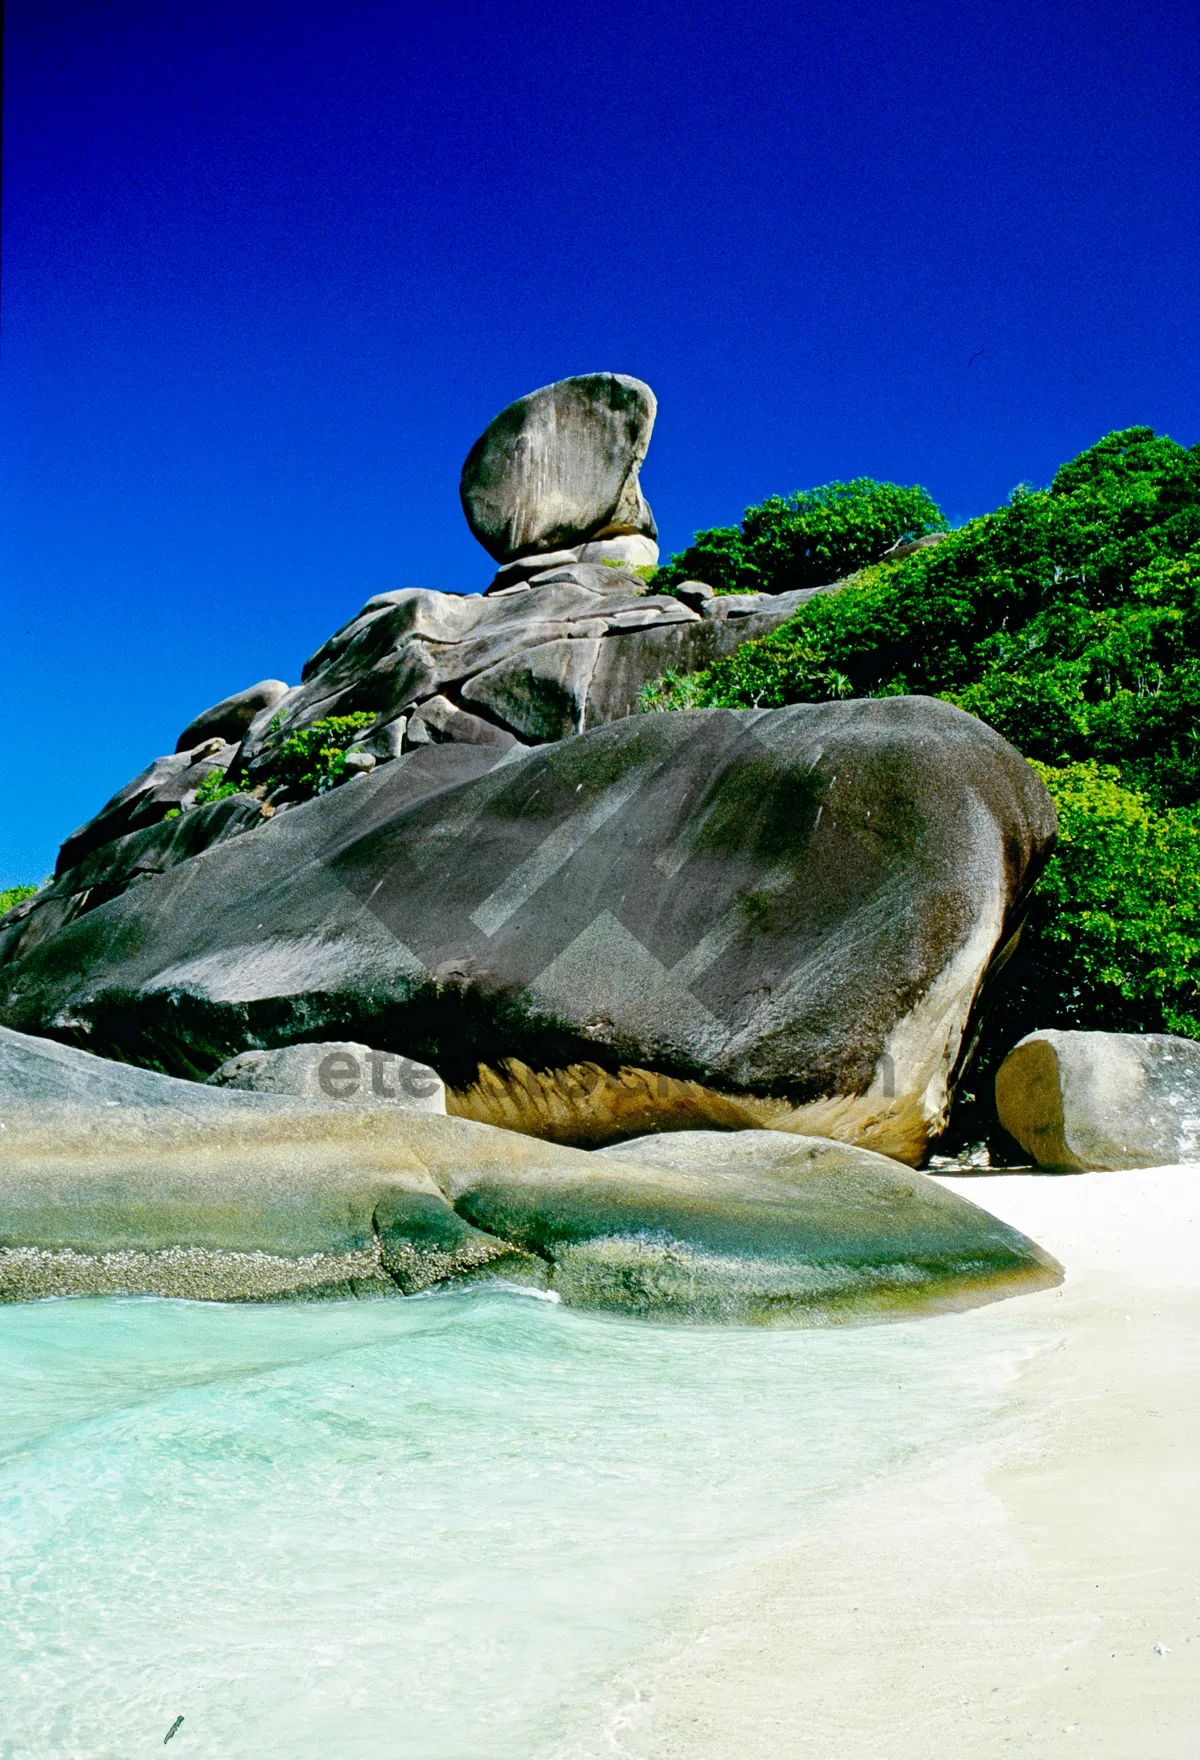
(804, 540)
(1069, 620)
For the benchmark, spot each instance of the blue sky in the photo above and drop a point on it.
(269, 268)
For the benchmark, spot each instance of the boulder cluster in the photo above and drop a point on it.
(503, 906)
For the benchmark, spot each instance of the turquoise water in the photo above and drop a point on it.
(435, 1529)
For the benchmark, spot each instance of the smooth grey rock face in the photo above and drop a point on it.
(339, 1070)
(762, 917)
(374, 1200)
(113, 867)
(443, 720)
(631, 550)
(40, 1073)
(168, 783)
(1102, 1100)
(229, 719)
(560, 466)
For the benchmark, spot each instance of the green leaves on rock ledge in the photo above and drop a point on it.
(1068, 620)
(805, 539)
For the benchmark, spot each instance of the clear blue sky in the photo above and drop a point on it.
(269, 268)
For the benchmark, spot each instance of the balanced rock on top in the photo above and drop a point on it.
(559, 468)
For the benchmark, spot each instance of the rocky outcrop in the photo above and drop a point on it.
(566, 639)
(39, 1076)
(229, 719)
(168, 785)
(571, 649)
(560, 467)
(377, 1201)
(1102, 1100)
(755, 918)
(342, 1071)
(111, 868)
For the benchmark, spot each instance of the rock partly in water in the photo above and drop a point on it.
(338, 1070)
(373, 1200)
(560, 466)
(777, 917)
(874, 1231)
(229, 719)
(1102, 1100)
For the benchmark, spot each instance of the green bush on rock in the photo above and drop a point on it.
(11, 895)
(306, 763)
(313, 760)
(1069, 620)
(804, 540)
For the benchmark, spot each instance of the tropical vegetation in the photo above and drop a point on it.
(1069, 620)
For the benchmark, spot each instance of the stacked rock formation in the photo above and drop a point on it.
(554, 478)
(117, 1181)
(591, 923)
(727, 918)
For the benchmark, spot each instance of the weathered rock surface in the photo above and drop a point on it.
(373, 1200)
(776, 917)
(560, 466)
(111, 869)
(573, 650)
(586, 637)
(229, 719)
(338, 1070)
(167, 784)
(39, 1074)
(1102, 1100)
(872, 1228)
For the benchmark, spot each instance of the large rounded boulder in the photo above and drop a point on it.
(560, 467)
(724, 918)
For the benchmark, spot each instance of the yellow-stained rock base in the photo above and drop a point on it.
(588, 1106)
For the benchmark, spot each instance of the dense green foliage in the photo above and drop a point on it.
(804, 540)
(313, 760)
(306, 763)
(11, 895)
(1069, 620)
(1113, 938)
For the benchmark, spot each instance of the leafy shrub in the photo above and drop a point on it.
(308, 762)
(215, 788)
(11, 895)
(804, 540)
(1113, 935)
(1069, 620)
(313, 760)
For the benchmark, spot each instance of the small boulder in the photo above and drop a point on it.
(229, 719)
(40, 1075)
(343, 1071)
(632, 550)
(560, 467)
(438, 719)
(1102, 1100)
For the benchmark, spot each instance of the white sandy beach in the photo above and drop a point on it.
(1035, 1593)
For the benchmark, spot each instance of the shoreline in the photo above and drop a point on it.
(1034, 1591)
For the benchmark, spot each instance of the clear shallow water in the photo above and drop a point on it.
(430, 1529)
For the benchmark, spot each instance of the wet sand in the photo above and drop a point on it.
(1035, 1592)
